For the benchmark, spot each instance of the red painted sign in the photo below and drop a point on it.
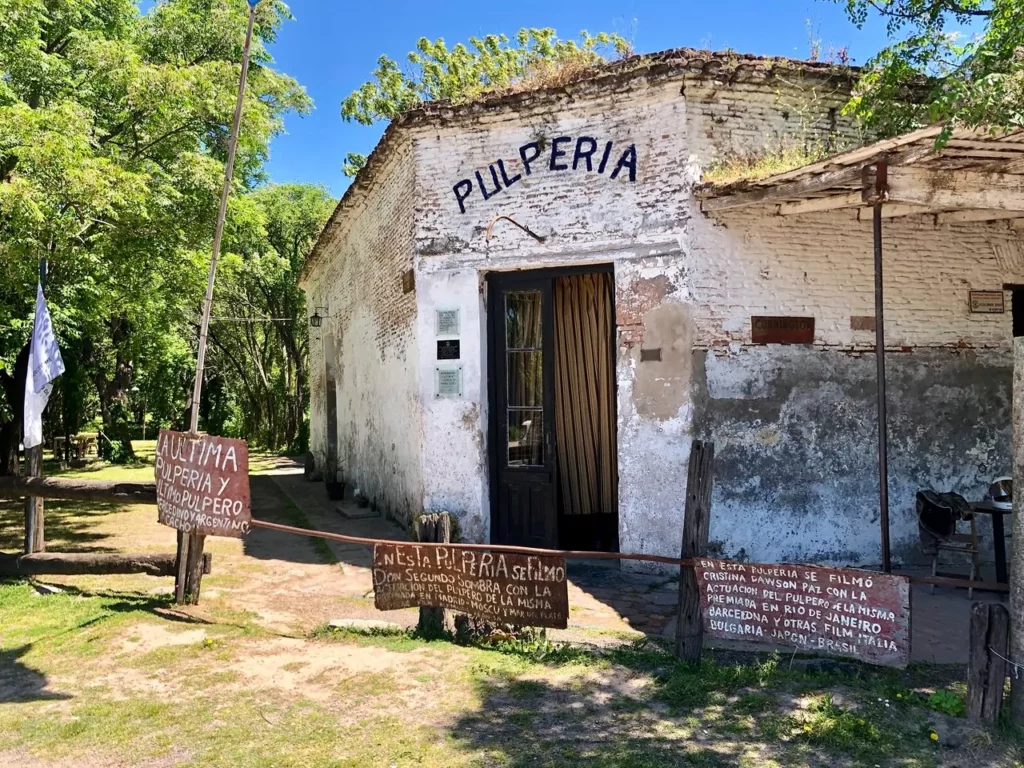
(202, 484)
(837, 611)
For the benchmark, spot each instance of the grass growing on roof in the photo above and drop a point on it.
(737, 167)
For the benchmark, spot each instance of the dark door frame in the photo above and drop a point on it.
(500, 279)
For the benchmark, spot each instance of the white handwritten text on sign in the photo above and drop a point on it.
(202, 484)
(838, 611)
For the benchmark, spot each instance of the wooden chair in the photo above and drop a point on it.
(938, 524)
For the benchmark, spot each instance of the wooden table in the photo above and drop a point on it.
(998, 535)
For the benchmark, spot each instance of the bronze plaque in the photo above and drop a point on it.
(448, 349)
(525, 590)
(782, 330)
(837, 611)
(202, 484)
(987, 303)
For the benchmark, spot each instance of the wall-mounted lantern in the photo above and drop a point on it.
(316, 319)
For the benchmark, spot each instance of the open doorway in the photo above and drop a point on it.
(331, 409)
(554, 457)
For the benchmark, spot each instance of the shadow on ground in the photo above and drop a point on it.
(70, 525)
(270, 504)
(21, 683)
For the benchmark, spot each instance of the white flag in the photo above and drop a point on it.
(44, 365)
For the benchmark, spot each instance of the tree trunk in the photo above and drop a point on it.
(10, 432)
(1017, 564)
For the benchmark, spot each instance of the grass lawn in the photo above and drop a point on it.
(107, 672)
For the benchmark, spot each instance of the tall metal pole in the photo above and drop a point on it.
(218, 234)
(883, 430)
(190, 547)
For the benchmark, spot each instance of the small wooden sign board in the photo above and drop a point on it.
(835, 611)
(987, 303)
(202, 484)
(524, 590)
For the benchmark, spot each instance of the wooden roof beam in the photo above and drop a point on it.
(830, 203)
(959, 217)
(790, 190)
(956, 190)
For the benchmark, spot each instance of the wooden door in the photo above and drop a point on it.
(521, 342)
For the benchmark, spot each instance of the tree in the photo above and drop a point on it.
(931, 73)
(113, 129)
(462, 73)
(260, 344)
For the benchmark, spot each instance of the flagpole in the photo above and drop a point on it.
(190, 548)
(35, 538)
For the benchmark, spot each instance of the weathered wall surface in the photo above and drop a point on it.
(548, 164)
(359, 280)
(795, 427)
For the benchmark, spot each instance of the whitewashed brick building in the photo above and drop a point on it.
(448, 372)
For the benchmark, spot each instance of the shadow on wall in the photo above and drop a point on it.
(796, 464)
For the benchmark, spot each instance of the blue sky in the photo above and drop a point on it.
(332, 47)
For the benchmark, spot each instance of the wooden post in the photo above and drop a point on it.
(190, 547)
(1016, 653)
(986, 669)
(696, 527)
(435, 527)
(35, 539)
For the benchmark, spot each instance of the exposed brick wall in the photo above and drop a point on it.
(685, 284)
(751, 262)
(359, 280)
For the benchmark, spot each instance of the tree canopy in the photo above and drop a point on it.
(533, 57)
(113, 133)
(958, 61)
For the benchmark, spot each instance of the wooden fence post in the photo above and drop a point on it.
(35, 539)
(437, 528)
(986, 667)
(696, 527)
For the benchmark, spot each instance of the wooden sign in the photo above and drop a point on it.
(987, 303)
(837, 611)
(782, 330)
(202, 484)
(524, 590)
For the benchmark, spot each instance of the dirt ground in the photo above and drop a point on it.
(106, 672)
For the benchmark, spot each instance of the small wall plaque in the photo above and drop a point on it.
(448, 382)
(987, 303)
(782, 330)
(650, 355)
(448, 349)
(862, 322)
(447, 322)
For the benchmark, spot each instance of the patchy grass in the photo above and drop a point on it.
(735, 168)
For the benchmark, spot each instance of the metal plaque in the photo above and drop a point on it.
(202, 484)
(448, 349)
(447, 322)
(524, 590)
(987, 302)
(782, 330)
(837, 611)
(448, 382)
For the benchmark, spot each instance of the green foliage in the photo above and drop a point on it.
(462, 73)
(261, 345)
(113, 128)
(948, 702)
(932, 72)
(352, 164)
